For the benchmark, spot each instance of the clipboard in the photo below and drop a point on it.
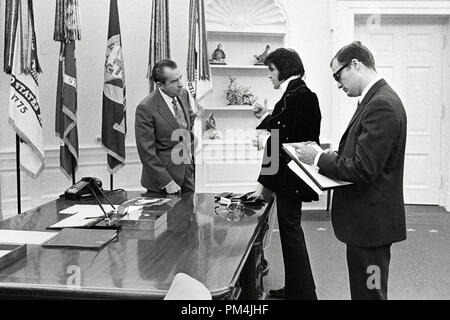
(310, 173)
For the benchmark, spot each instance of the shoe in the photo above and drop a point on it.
(279, 293)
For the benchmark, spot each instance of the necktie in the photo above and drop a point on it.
(179, 115)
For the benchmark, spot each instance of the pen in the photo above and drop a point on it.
(93, 217)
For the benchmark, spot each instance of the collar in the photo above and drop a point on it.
(285, 84)
(166, 98)
(368, 87)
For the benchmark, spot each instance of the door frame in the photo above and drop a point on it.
(343, 23)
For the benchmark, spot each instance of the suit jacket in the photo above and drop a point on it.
(297, 117)
(371, 154)
(154, 126)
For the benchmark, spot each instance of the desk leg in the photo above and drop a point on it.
(251, 279)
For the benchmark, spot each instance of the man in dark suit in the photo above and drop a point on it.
(164, 139)
(369, 215)
(295, 117)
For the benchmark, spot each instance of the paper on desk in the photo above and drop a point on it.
(145, 201)
(25, 237)
(82, 215)
(93, 209)
(132, 213)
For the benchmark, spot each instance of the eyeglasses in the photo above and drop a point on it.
(337, 74)
(232, 212)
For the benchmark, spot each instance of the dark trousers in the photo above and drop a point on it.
(368, 270)
(299, 281)
(189, 179)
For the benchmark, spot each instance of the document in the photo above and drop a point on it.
(25, 237)
(144, 201)
(93, 209)
(81, 238)
(310, 173)
(81, 216)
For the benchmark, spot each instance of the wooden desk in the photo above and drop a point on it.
(223, 255)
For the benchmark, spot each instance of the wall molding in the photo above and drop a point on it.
(245, 16)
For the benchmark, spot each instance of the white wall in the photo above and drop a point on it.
(309, 34)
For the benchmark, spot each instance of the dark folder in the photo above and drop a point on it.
(81, 238)
(319, 181)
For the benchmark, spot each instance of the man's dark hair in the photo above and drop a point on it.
(287, 61)
(355, 50)
(158, 70)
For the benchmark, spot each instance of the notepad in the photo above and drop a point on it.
(310, 173)
(81, 238)
(25, 237)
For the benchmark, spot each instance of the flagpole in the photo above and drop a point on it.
(19, 201)
(73, 175)
(111, 179)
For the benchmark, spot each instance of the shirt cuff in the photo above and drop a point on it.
(259, 188)
(167, 185)
(316, 159)
(263, 117)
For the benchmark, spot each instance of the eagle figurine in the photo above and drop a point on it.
(262, 57)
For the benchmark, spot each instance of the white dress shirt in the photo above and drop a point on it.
(169, 101)
(368, 87)
(283, 88)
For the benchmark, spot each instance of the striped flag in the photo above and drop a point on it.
(114, 125)
(24, 109)
(66, 109)
(159, 48)
(67, 30)
(198, 70)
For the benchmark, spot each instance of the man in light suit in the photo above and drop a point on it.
(164, 139)
(369, 215)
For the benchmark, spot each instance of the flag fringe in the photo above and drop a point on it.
(25, 139)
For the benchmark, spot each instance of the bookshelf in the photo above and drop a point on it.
(244, 28)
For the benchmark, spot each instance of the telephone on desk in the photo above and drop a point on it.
(82, 188)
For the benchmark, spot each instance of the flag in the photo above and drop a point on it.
(114, 125)
(66, 109)
(67, 21)
(19, 15)
(24, 109)
(198, 69)
(67, 30)
(159, 36)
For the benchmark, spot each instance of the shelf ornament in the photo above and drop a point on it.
(218, 55)
(211, 132)
(239, 95)
(262, 57)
